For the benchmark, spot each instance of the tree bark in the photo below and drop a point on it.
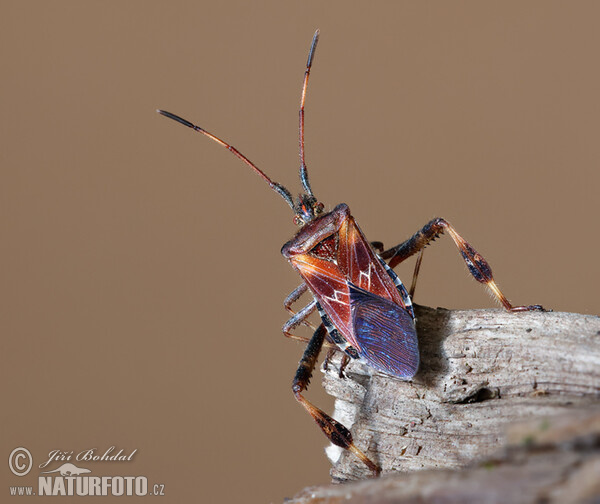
(481, 372)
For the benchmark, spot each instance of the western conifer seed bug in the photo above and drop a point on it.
(366, 312)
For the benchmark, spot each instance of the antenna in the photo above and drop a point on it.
(278, 188)
(303, 169)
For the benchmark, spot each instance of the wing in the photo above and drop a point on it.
(329, 288)
(358, 263)
(385, 333)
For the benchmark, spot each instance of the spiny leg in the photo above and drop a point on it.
(477, 265)
(334, 430)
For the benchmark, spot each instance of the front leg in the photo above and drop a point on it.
(293, 296)
(299, 318)
(477, 265)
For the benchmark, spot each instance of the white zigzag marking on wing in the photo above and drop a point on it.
(336, 297)
(367, 275)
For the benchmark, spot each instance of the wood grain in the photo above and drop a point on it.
(481, 371)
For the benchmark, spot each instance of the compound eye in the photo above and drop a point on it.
(319, 208)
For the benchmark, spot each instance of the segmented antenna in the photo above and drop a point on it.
(303, 169)
(278, 188)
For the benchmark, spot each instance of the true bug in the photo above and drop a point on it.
(366, 312)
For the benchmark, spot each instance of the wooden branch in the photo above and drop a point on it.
(481, 371)
(551, 461)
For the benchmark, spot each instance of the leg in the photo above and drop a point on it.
(293, 296)
(343, 364)
(299, 318)
(334, 430)
(478, 266)
(413, 284)
(378, 246)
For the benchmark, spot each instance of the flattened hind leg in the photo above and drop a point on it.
(477, 265)
(337, 433)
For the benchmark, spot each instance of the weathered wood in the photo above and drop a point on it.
(548, 461)
(481, 371)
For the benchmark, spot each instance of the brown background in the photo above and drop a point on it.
(142, 280)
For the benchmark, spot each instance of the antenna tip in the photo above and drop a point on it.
(313, 46)
(180, 120)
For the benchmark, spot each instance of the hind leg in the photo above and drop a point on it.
(334, 430)
(477, 265)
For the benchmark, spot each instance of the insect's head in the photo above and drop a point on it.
(308, 208)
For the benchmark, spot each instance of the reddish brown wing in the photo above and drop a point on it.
(358, 263)
(330, 288)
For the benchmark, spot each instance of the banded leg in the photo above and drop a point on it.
(478, 266)
(334, 430)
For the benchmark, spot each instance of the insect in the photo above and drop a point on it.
(366, 312)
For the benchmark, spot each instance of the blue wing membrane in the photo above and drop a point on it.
(385, 333)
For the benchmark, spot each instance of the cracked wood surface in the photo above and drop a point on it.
(481, 371)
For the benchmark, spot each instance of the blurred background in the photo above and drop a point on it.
(143, 284)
